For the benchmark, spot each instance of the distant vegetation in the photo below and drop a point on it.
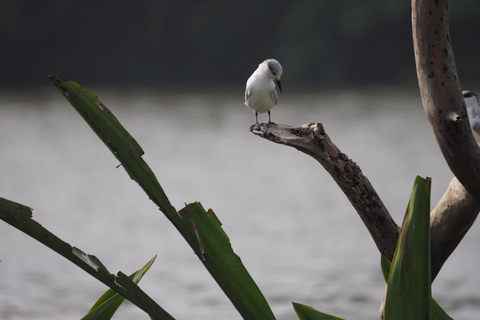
(217, 43)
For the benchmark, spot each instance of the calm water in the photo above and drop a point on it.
(293, 228)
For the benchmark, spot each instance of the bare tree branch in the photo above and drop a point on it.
(449, 222)
(313, 140)
(445, 108)
(441, 93)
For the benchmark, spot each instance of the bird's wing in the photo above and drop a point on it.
(476, 126)
(274, 95)
(474, 117)
(247, 94)
(474, 112)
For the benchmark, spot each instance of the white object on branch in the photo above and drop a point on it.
(261, 91)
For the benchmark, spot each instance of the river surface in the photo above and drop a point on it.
(293, 228)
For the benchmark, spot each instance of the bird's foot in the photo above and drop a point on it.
(256, 127)
(262, 127)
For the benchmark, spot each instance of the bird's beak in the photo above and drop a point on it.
(279, 84)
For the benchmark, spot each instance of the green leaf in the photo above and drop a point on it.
(117, 139)
(202, 230)
(436, 312)
(409, 282)
(308, 313)
(110, 301)
(385, 265)
(20, 217)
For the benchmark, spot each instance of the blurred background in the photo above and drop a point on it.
(203, 43)
(173, 72)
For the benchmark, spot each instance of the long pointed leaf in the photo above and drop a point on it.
(436, 311)
(213, 247)
(20, 217)
(308, 313)
(117, 139)
(409, 282)
(110, 301)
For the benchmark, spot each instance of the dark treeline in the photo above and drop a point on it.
(168, 42)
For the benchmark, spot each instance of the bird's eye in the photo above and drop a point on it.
(274, 73)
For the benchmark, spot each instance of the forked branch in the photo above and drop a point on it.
(445, 109)
(449, 222)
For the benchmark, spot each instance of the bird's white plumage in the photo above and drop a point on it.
(473, 110)
(260, 93)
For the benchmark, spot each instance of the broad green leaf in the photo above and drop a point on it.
(308, 313)
(110, 301)
(20, 217)
(409, 281)
(213, 247)
(202, 230)
(436, 312)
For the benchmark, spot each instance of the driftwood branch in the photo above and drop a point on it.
(313, 140)
(449, 222)
(445, 109)
(441, 92)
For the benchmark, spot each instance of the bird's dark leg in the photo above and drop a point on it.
(256, 116)
(269, 121)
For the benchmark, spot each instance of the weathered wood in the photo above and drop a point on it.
(313, 140)
(445, 109)
(441, 92)
(449, 222)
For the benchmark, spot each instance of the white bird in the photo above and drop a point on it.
(473, 110)
(261, 94)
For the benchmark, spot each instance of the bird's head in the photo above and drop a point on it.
(275, 69)
(470, 98)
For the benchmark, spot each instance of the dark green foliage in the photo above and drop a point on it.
(201, 229)
(308, 313)
(409, 280)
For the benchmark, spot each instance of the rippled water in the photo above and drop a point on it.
(295, 231)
